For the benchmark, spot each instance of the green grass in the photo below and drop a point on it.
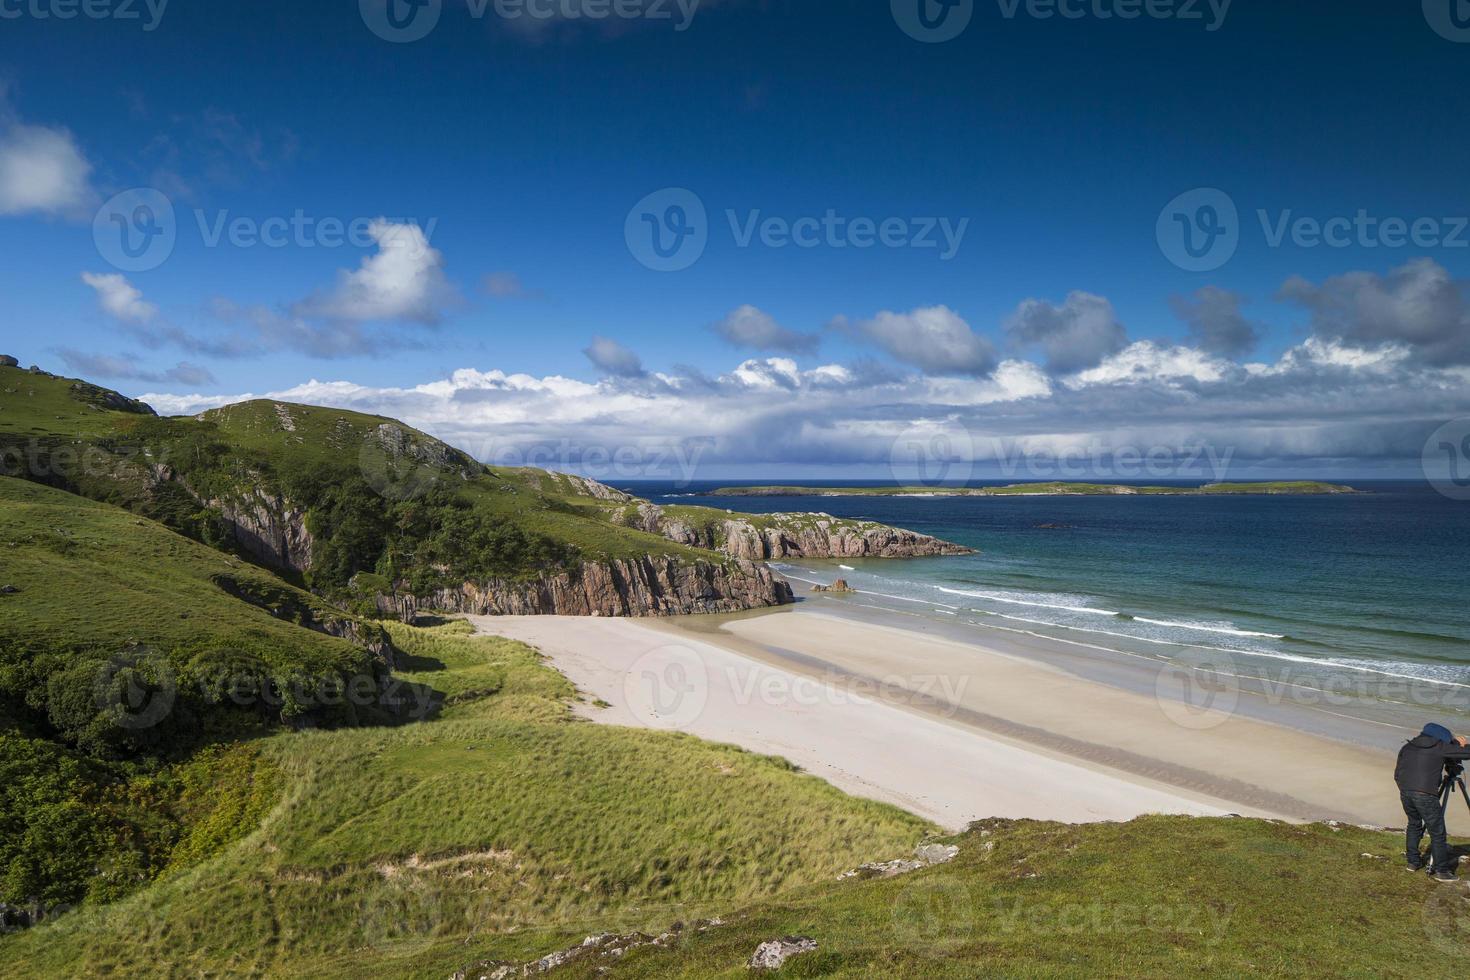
(1156, 897)
(1294, 487)
(505, 826)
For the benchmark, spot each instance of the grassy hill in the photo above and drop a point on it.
(124, 650)
(362, 495)
(505, 831)
(504, 826)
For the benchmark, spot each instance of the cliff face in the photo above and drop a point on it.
(650, 586)
(268, 529)
(776, 536)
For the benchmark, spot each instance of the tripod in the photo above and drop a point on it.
(1453, 777)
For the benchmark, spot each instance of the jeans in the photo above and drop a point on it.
(1424, 814)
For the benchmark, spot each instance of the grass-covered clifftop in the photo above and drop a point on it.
(1276, 488)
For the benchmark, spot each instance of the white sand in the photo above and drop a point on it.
(659, 677)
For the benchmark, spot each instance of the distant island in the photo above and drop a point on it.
(1288, 488)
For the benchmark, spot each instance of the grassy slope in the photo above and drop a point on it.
(1157, 897)
(503, 828)
(1073, 489)
(242, 447)
(95, 578)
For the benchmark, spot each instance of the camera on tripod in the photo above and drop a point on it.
(1454, 776)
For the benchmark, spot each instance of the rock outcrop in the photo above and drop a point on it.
(646, 586)
(268, 529)
(774, 954)
(769, 537)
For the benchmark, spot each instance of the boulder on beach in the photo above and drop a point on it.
(840, 586)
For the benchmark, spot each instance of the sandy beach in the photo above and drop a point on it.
(948, 729)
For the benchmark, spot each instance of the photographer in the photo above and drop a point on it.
(1422, 766)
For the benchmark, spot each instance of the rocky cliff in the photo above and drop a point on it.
(764, 537)
(649, 586)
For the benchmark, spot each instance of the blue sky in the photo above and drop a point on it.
(519, 148)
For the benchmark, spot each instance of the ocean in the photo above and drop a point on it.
(1361, 594)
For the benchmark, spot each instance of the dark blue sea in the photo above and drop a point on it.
(1372, 584)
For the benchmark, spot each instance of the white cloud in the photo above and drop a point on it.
(613, 358)
(119, 298)
(403, 281)
(934, 338)
(748, 326)
(42, 170)
(1076, 335)
(1146, 362)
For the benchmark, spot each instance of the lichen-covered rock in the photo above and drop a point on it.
(778, 536)
(774, 954)
(646, 586)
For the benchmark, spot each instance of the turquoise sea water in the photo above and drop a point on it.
(1354, 592)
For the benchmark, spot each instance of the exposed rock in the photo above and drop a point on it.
(91, 394)
(797, 536)
(601, 491)
(7, 361)
(269, 529)
(646, 586)
(839, 587)
(925, 855)
(602, 945)
(774, 954)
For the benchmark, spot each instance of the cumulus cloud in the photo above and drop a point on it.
(127, 368)
(1419, 305)
(1074, 336)
(612, 358)
(1215, 322)
(403, 281)
(1322, 402)
(934, 339)
(42, 169)
(119, 298)
(750, 327)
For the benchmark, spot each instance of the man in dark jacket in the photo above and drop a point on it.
(1419, 774)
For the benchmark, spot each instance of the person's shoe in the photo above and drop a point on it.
(1444, 876)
